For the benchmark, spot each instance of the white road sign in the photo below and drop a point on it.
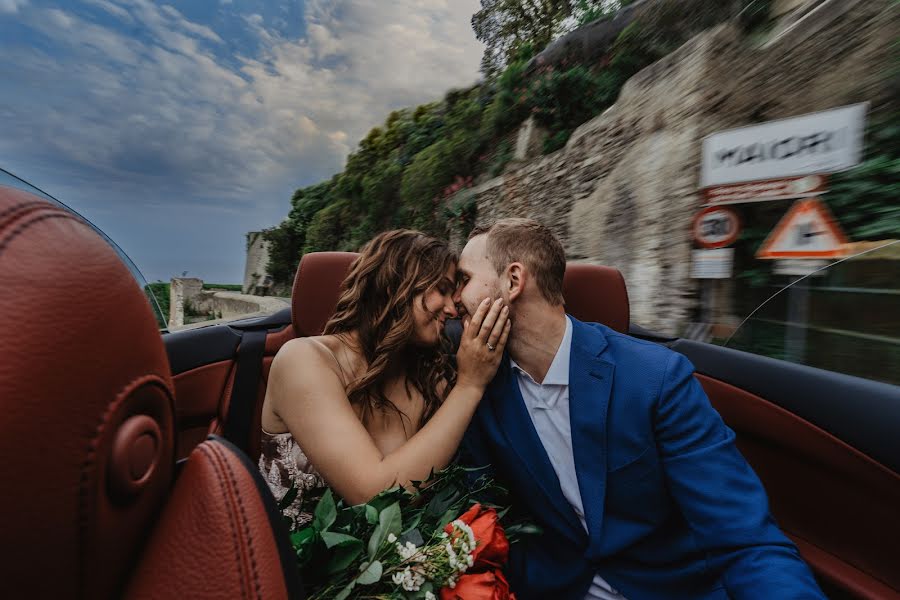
(793, 266)
(823, 142)
(712, 264)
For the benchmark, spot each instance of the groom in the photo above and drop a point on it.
(612, 446)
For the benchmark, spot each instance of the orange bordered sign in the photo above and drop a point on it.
(808, 230)
(716, 227)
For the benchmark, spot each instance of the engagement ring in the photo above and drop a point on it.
(491, 348)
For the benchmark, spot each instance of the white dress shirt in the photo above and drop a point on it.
(548, 406)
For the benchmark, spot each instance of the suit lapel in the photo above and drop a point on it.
(590, 385)
(515, 423)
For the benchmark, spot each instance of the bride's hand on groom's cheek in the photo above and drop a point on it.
(483, 340)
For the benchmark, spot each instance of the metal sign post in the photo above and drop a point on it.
(807, 234)
(797, 323)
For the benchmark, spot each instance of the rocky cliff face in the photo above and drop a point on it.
(626, 186)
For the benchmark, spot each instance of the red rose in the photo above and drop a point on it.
(490, 585)
(492, 547)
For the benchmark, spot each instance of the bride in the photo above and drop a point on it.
(375, 401)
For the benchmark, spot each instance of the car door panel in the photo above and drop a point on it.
(199, 392)
(203, 361)
(801, 429)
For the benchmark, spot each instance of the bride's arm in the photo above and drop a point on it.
(309, 397)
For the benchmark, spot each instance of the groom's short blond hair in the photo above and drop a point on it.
(534, 245)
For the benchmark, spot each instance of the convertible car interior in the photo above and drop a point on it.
(130, 455)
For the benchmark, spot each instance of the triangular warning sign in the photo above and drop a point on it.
(807, 231)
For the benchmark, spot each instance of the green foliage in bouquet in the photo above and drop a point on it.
(366, 551)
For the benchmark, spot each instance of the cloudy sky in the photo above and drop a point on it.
(178, 127)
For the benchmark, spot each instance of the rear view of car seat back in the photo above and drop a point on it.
(87, 419)
(220, 535)
(87, 432)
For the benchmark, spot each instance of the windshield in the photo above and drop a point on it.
(9, 180)
(840, 317)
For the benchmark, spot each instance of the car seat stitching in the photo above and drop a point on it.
(226, 495)
(246, 523)
(22, 206)
(21, 228)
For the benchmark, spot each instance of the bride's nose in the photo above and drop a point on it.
(450, 309)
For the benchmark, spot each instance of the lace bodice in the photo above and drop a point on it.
(283, 464)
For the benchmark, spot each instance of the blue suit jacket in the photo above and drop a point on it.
(672, 508)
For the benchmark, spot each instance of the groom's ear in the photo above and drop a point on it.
(516, 276)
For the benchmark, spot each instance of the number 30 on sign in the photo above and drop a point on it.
(716, 227)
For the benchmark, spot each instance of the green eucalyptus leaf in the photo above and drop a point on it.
(386, 498)
(358, 510)
(371, 514)
(390, 519)
(344, 550)
(371, 574)
(375, 541)
(325, 513)
(344, 593)
(448, 516)
(305, 534)
(414, 523)
(443, 501)
(333, 539)
(388, 523)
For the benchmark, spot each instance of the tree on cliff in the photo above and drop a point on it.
(510, 28)
(506, 26)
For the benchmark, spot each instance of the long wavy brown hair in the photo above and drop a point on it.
(376, 302)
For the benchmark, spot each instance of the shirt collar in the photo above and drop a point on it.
(558, 373)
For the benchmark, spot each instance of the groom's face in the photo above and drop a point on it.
(477, 277)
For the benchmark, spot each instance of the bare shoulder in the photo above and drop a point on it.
(302, 357)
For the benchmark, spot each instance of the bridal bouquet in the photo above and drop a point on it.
(442, 540)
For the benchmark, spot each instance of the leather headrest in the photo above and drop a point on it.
(86, 426)
(593, 293)
(317, 288)
(596, 294)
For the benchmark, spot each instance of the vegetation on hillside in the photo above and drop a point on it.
(404, 172)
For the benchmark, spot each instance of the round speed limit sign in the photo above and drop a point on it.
(716, 227)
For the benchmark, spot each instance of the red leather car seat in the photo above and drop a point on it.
(86, 435)
(593, 293)
(596, 294)
(317, 287)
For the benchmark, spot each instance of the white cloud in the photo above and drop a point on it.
(113, 9)
(11, 7)
(363, 58)
(173, 114)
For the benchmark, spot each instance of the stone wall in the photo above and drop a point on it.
(625, 188)
(256, 277)
(182, 289)
(223, 304)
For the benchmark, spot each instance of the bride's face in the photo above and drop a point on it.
(433, 308)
